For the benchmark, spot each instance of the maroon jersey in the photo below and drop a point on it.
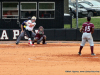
(38, 35)
(87, 27)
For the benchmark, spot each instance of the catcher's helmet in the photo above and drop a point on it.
(41, 27)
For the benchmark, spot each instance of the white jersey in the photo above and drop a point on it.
(28, 25)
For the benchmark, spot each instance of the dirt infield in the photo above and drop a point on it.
(51, 59)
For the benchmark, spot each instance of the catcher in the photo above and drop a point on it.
(40, 36)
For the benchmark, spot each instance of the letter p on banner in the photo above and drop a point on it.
(15, 34)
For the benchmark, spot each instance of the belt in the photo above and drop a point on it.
(28, 30)
(86, 32)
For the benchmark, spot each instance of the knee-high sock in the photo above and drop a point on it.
(81, 47)
(43, 41)
(92, 49)
(30, 41)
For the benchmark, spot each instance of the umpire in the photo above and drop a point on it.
(23, 31)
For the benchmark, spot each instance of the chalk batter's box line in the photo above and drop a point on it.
(33, 59)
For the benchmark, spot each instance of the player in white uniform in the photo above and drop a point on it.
(29, 28)
(87, 29)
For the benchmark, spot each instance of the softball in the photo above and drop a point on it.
(24, 26)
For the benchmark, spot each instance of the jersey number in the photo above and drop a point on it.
(87, 28)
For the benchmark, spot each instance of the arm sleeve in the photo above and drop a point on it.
(23, 23)
(93, 26)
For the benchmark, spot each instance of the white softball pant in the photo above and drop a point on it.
(87, 37)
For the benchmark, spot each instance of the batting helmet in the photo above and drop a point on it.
(33, 18)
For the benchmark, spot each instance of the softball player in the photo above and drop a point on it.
(23, 31)
(29, 28)
(88, 29)
(40, 36)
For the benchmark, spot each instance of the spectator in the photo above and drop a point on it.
(46, 15)
(7, 15)
(28, 14)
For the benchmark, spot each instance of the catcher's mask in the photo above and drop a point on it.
(41, 28)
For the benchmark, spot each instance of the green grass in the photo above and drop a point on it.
(95, 21)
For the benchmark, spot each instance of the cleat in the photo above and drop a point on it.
(16, 43)
(32, 44)
(38, 42)
(44, 43)
(93, 54)
(79, 53)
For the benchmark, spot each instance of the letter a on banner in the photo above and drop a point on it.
(4, 35)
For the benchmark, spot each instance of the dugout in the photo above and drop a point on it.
(49, 13)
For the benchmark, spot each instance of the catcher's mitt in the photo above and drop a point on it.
(41, 33)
